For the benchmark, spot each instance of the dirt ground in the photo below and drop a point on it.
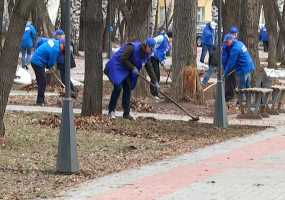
(147, 105)
(27, 161)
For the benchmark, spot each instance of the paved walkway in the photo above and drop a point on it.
(273, 121)
(247, 168)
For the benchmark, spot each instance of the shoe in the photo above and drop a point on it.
(112, 115)
(156, 98)
(128, 117)
(73, 95)
(40, 104)
(25, 67)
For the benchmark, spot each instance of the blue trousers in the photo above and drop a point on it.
(244, 80)
(26, 56)
(208, 75)
(205, 49)
(126, 99)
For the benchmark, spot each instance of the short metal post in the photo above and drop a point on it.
(220, 117)
(67, 161)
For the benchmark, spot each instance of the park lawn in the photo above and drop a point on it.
(27, 161)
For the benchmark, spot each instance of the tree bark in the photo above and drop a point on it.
(81, 32)
(231, 14)
(93, 81)
(271, 23)
(40, 18)
(281, 43)
(9, 57)
(2, 4)
(249, 29)
(185, 51)
(135, 16)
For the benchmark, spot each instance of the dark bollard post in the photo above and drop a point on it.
(220, 117)
(67, 161)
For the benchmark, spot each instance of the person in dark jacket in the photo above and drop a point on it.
(45, 57)
(162, 47)
(27, 44)
(264, 38)
(208, 40)
(123, 69)
(238, 60)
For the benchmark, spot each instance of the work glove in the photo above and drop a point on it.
(157, 87)
(135, 71)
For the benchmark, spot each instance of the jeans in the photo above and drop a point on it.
(26, 56)
(208, 75)
(155, 65)
(265, 46)
(41, 82)
(244, 81)
(230, 86)
(205, 49)
(126, 99)
(62, 76)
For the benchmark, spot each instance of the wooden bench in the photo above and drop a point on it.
(252, 102)
(278, 95)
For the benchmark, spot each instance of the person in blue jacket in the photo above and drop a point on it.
(230, 81)
(162, 47)
(27, 44)
(264, 38)
(208, 40)
(45, 57)
(41, 40)
(238, 60)
(123, 69)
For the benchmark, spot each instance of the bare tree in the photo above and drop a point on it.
(185, 51)
(271, 22)
(41, 19)
(231, 13)
(9, 56)
(93, 81)
(249, 28)
(135, 16)
(2, 4)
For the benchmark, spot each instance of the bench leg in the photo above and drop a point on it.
(275, 101)
(264, 106)
(282, 95)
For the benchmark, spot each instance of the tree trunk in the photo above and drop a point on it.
(135, 15)
(9, 57)
(271, 23)
(40, 18)
(156, 17)
(93, 81)
(281, 43)
(231, 14)
(186, 82)
(81, 33)
(153, 16)
(2, 4)
(249, 29)
(110, 19)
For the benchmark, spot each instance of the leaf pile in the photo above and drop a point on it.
(140, 106)
(30, 87)
(81, 123)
